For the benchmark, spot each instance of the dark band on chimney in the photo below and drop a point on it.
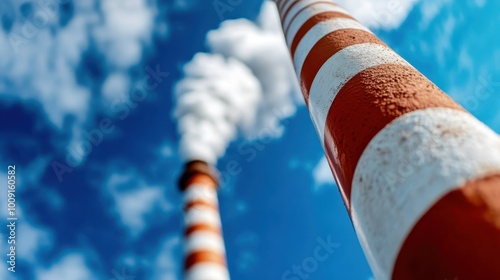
(195, 167)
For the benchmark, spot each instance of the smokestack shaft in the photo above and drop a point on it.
(204, 250)
(419, 175)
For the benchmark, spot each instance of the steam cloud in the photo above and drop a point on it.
(245, 86)
(218, 96)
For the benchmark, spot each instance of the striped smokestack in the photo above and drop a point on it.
(419, 175)
(205, 257)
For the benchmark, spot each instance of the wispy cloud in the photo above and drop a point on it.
(379, 14)
(166, 262)
(70, 266)
(135, 202)
(66, 66)
(322, 174)
(33, 237)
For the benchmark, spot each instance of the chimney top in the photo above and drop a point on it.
(194, 167)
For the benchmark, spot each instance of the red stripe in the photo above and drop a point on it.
(281, 4)
(327, 47)
(365, 105)
(203, 257)
(306, 7)
(310, 23)
(458, 238)
(284, 14)
(201, 179)
(202, 227)
(196, 203)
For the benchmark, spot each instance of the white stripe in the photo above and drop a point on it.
(203, 241)
(409, 166)
(315, 5)
(207, 271)
(201, 215)
(338, 70)
(287, 4)
(306, 14)
(280, 6)
(200, 192)
(319, 31)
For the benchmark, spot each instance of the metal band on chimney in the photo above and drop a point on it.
(420, 176)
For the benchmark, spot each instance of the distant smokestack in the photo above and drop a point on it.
(419, 175)
(205, 257)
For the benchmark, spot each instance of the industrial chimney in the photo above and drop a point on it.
(205, 257)
(419, 175)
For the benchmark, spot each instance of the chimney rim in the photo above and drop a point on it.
(193, 167)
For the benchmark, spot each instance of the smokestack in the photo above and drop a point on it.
(205, 257)
(419, 175)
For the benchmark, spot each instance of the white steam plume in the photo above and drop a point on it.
(245, 85)
(263, 49)
(217, 97)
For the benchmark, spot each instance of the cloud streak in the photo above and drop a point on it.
(135, 201)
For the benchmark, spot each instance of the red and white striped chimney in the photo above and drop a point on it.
(205, 257)
(419, 175)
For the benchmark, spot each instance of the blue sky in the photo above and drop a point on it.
(81, 67)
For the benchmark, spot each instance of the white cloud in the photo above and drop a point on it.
(379, 14)
(269, 18)
(135, 202)
(32, 179)
(71, 266)
(162, 262)
(167, 151)
(115, 87)
(6, 274)
(42, 69)
(322, 174)
(183, 5)
(127, 26)
(32, 240)
(166, 265)
(36, 169)
(430, 10)
(41, 59)
(480, 3)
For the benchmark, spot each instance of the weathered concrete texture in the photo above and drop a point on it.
(458, 238)
(371, 100)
